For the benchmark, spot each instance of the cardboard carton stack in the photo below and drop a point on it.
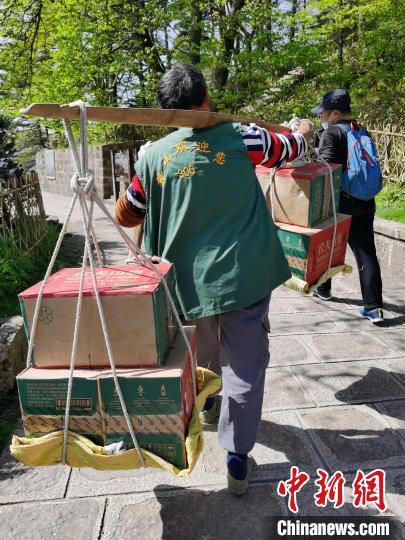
(139, 318)
(302, 199)
(153, 364)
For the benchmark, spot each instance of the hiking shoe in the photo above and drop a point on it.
(322, 294)
(209, 415)
(240, 487)
(375, 315)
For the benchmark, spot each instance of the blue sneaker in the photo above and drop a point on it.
(375, 315)
(322, 294)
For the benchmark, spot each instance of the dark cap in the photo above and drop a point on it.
(337, 99)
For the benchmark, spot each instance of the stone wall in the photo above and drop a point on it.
(390, 244)
(13, 351)
(55, 167)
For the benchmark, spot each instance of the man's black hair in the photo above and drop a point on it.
(182, 87)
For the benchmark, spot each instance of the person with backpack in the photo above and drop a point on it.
(343, 140)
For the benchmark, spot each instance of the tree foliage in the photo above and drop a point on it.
(7, 148)
(271, 57)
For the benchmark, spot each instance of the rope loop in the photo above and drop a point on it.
(83, 184)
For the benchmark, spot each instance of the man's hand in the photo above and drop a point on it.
(293, 124)
(305, 128)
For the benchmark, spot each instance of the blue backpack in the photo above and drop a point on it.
(363, 178)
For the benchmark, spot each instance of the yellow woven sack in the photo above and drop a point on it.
(47, 450)
(302, 286)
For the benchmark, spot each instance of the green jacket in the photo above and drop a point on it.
(207, 214)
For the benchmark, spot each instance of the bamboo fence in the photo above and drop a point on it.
(23, 222)
(390, 142)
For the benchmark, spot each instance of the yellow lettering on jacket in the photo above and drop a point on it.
(219, 158)
(186, 172)
(160, 179)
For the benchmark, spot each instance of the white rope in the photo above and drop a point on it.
(44, 281)
(81, 180)
(75, 342)
(86, 227)
(84, 185)
(84, 151)
(271, 188)
(93, 234)
(332, 191)
(72, 144)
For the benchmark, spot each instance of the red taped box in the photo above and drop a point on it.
(139, 319)
(308, 250)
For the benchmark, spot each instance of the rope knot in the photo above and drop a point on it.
(83, 184)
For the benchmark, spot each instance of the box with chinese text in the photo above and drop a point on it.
(42, 394)
(308, 250)
(159, 402)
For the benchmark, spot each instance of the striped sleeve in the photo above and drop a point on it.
(135, 196)
(272, 149)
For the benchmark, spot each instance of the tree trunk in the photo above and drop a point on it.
(228, 30)
(294, 7)
(195, 33)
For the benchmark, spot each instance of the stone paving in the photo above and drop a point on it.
(334, 398)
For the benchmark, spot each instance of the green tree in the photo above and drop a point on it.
(274, 58)
(7, 147)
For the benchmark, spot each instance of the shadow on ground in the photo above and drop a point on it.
(373, 378)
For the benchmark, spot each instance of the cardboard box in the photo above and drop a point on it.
(43, 394)
(140, 322)
(302, 195)
(159, 402)
(308, 250)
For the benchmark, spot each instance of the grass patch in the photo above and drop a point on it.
(391, 202)
(20, 271)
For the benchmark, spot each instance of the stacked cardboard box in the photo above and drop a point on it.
(153, 365)
(302, 200)
(308, 250)
(42, 394)
(302, 195)
(159, 402)
(140, 322)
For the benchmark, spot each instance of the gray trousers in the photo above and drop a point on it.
(236, 345)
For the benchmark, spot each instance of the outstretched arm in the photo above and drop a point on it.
(273, 149)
